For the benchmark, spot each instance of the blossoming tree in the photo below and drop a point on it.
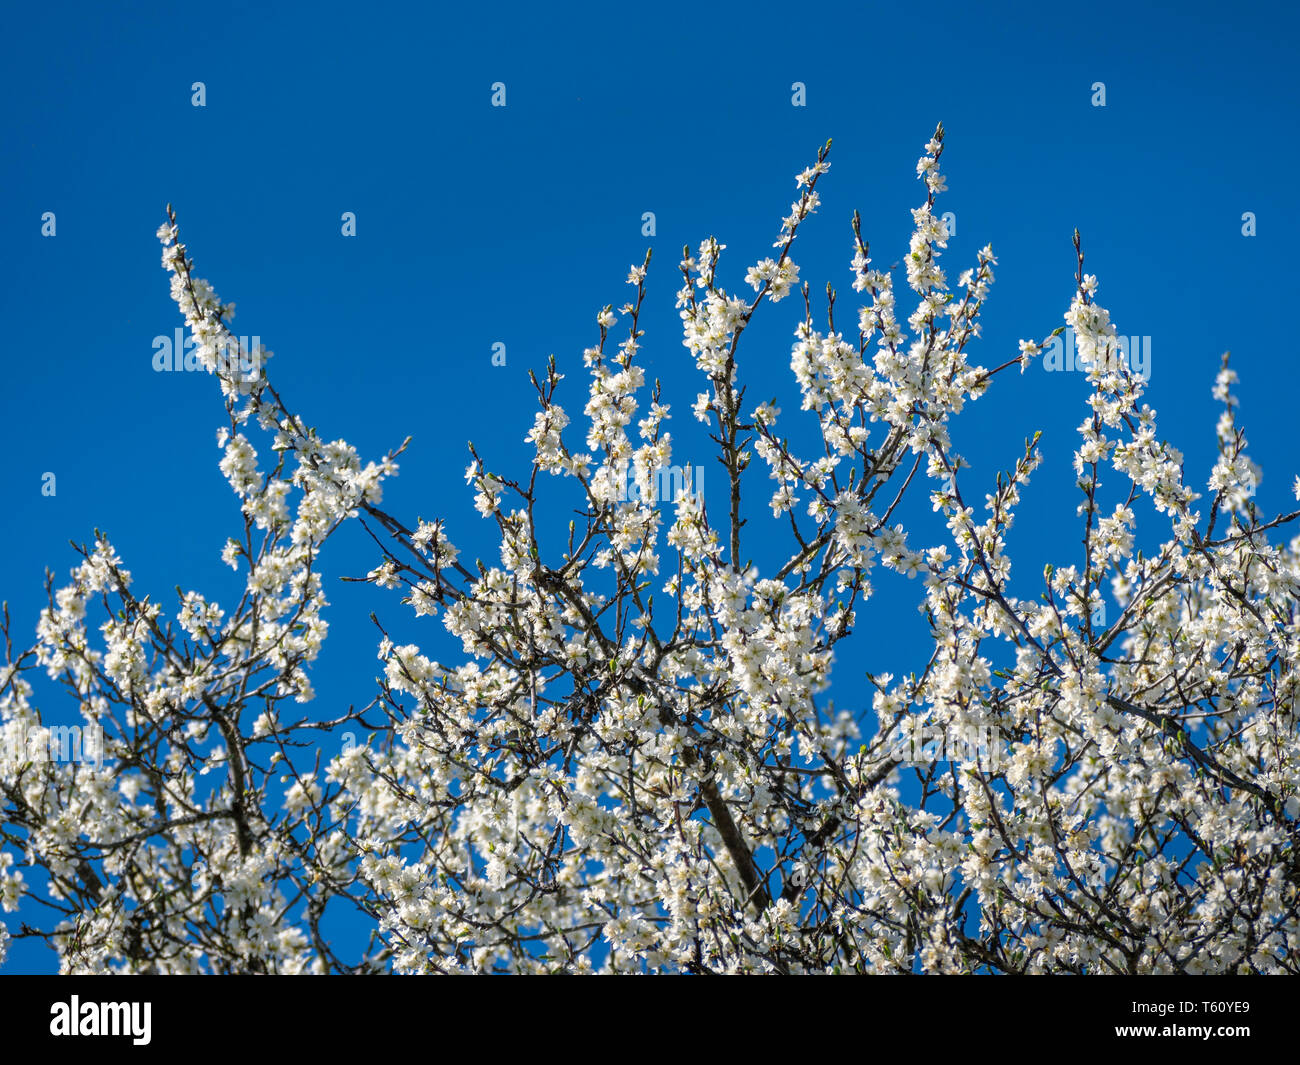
(633, 768)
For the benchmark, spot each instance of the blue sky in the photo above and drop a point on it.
(478, 225)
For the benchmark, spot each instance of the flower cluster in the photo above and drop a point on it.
(633, 765)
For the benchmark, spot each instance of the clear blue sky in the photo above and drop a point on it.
(478, 225)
